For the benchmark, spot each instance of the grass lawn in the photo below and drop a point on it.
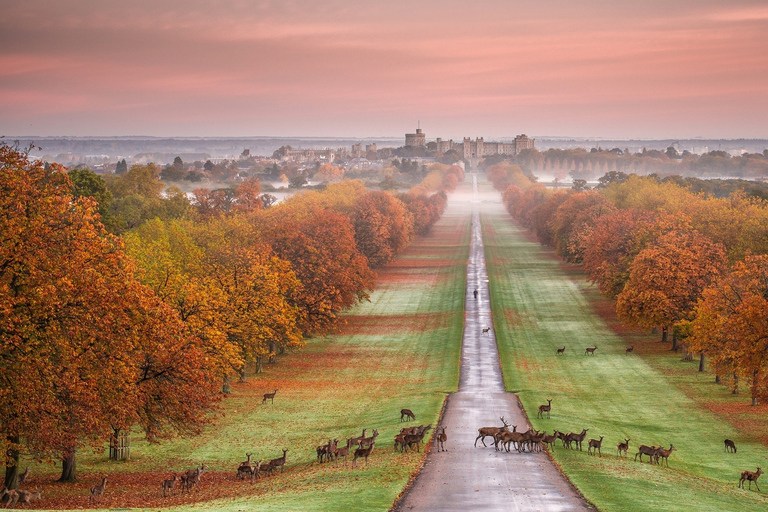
(400, 350)
(652, 397)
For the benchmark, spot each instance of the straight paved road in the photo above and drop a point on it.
(468, 478)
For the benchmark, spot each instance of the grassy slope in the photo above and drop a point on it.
(538, 308)
(400, 350)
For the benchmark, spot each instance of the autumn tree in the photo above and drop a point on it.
(328, 172)
(84, 347)
(731, 325)
(666, 280)
(383, 227)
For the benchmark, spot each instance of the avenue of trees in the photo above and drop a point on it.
(692, 264)
(126, 304)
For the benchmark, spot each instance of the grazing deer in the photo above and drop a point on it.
(407, 415)
(362, 452)
(192, 477)
(269, 396)
(484, 432)
(663, 454)
(441, 439)
(170, 484)
(279, 462)
(578, 438)
(730, 446)
(629, 350)
(590, 351)
(750, 477)
(561, 351)
(545, 409)
(23, 477)
(98, 491)
(367, 441)
(650, 451)
(486, 330)
(622, 447)
(26, 497)
(595, 445)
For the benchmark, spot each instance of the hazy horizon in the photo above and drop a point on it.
(304, 69)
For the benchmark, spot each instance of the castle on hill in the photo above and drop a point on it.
(469, 148)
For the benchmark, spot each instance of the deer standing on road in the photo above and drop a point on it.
(590, 351)
(269, 396)
(545, 409)
(442, 437)
(595, 445)
(622, 447)
(407, 415)
(486, 330)
(730, 446)
(560, 351)
(484, 432)
(750, 477)
(97, 491)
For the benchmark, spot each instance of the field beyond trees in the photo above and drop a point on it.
(538, 308)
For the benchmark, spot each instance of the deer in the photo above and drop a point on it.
(269, 396)
(26, 497)
(486, 330)
(534, 442)
(343, 451)
(406, 415)
(579, 438)
(650, 451)
(400, 442)
(545, 409)
(246, 462)
(484, 432)
(367, 441)
(411, 439)
(255, 472)
(563, 437)
(97, 491)
(750, 477)
(442, 437)
(192, 477)
(23, 477)
(561, 351)
(730, 446)
(622, 447)
(170, 484)
(356, 440)
(629, 350)
(244, 472)
(322, 451)
(663, 454)
(279, 462)
(506, 438)
(595, 446)
(362, 452)
(550, 440)
(590, 351)
(266, 468)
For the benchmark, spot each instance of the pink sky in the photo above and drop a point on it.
(594, 68)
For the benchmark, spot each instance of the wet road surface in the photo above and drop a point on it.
(468, 478)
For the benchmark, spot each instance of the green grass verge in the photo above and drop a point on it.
(538, 308)
(402, 349)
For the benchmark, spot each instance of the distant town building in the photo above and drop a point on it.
(371, 148)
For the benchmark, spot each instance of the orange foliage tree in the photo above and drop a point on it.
(731, 325)
(383, 227)
(84, 348)
(666, 280)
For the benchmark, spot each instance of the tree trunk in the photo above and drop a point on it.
(12, 463)
(675, 345)
(243, 377)
(735, 389)
(717, 379)
(664, 334)
(755, 401)
(67, 467)
(702, 362)
(225, 388)
(272, 352)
